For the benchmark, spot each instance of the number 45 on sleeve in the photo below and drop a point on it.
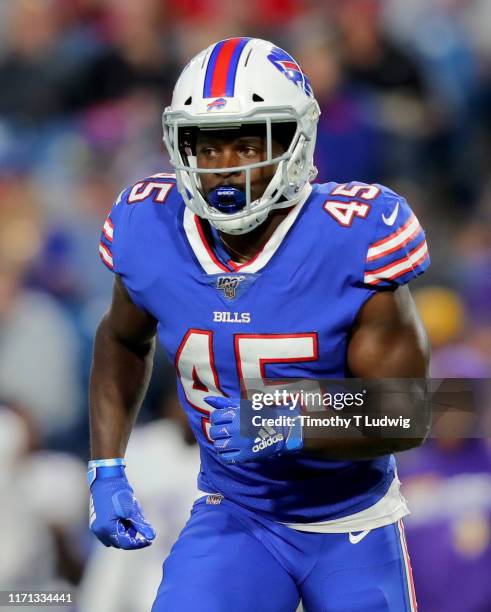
(344, 212)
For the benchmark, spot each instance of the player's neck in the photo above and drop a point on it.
(243, 247)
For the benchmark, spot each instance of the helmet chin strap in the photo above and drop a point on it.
(236, 227)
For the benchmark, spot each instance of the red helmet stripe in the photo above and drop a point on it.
(222, 65)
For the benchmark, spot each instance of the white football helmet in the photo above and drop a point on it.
(231, 83)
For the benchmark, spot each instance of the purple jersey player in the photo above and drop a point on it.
(247, 271)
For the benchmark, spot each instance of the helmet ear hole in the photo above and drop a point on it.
(257, 98)
(187, 142)
(189, 101)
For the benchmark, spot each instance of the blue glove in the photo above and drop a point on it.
(264, 441)
(116, 517)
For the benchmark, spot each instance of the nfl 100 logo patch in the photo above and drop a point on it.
(229, 285)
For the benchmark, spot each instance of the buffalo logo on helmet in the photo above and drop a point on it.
(216, 104)
(285, 63)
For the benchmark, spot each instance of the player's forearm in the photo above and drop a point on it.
(119, 379)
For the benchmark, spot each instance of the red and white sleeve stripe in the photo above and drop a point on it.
(398, 268)
(108, 230)
(106, 256)
(395, 241)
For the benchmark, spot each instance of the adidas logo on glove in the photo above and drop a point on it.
(265, 439)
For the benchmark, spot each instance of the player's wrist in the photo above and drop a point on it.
(97, 463)
(101, 469)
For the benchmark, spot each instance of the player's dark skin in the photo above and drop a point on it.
(387, 340)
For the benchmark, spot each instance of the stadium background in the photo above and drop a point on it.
(405, 91)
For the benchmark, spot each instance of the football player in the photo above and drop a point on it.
(247, 271)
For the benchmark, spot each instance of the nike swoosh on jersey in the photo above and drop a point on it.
(354, 538)
(390, 220)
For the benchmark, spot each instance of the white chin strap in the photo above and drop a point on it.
(243, 225)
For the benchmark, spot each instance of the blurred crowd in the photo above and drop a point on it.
(405, 93)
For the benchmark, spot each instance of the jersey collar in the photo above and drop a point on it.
(209, 261)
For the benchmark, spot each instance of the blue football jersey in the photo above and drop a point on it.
(287, 313)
